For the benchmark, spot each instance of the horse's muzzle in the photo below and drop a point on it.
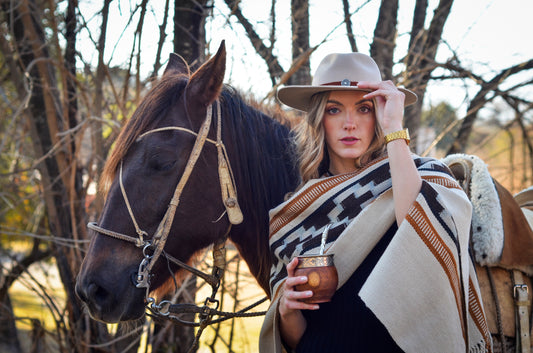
(111, 302)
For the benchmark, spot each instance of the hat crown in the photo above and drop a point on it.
(337, 72)
(355, 67)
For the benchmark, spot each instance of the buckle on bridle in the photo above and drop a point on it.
(143, 274)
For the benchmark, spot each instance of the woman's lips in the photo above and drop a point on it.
(350, 140)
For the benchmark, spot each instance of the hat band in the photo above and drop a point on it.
(344, 82)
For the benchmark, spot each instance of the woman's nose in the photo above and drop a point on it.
(349, 122)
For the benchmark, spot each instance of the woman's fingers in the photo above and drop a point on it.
(376, 85)
(385, 89)
(292, 299)
(296, 295)
(390, 104)
(287, 304)
(290, 282)
(291, 267)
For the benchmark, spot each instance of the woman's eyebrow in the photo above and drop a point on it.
(364, 100)
(334, 101)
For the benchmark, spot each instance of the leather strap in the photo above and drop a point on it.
(227, 181)
(162, 232)
(520, 294)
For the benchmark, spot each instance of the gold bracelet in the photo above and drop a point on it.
(396, 135)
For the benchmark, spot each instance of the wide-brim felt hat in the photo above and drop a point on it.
(337, 72)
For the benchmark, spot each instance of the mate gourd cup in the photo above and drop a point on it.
(322, 278)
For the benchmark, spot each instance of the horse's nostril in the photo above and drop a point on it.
(98, 294)
(92, 293)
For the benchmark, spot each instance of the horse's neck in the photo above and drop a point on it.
(264, 174)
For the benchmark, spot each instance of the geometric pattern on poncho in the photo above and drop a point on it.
(337, 211)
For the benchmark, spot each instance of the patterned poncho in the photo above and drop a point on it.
(423, 289)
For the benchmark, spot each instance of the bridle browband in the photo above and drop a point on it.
(157, 243)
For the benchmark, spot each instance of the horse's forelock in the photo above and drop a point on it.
(153, 107)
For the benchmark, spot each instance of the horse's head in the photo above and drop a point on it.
(146, 172)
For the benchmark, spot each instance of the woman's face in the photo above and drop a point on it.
(349, 124)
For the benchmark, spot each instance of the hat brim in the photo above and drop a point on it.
(299, 97)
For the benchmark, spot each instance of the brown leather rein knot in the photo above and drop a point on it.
(158, 241)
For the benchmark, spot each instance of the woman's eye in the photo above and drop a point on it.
(332, 110)
(365, 109)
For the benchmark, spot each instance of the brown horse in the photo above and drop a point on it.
(146, 168)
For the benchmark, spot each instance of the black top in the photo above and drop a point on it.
(345, 324)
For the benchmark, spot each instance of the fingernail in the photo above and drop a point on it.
(303, 278)
(309, 293)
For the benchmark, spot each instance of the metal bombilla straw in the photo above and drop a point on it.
(324, 237)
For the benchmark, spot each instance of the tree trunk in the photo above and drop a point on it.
(382, 48)
(97, 139)
(349, 27)
(420, 61)
(417, 32)
(300, 42)
(59, 176)
(189, 30)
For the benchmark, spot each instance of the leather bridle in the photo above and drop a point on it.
(153, 248)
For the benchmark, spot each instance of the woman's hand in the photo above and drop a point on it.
(292, 322)
(290, 298)
(390, 104)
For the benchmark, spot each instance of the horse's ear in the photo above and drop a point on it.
(177, 64)
(206, 83)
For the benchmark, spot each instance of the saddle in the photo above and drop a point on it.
(502, 244)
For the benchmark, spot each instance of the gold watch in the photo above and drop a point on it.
(396, 135)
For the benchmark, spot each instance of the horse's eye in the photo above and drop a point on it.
(162, 165)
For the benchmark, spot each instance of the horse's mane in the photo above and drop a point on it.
(268, 160)
(153, 106)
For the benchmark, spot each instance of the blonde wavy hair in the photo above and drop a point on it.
(312, 155)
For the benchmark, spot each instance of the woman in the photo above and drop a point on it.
(398, 227)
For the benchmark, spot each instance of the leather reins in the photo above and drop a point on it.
(158, 241)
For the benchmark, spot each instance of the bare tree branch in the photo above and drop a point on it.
(274, 68)
(162, 37)
(480, 100)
